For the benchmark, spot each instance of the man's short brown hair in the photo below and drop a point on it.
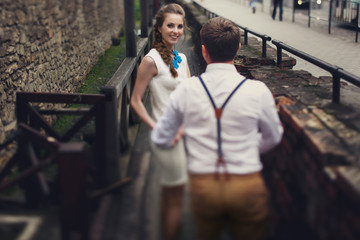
(221, 38)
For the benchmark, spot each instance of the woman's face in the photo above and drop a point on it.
(172, 29)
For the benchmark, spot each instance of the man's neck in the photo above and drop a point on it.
(229, 62)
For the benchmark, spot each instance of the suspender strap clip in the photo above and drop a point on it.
(218, 113)
(220, 161)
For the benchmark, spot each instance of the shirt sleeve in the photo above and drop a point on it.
(169, 123)
(270, 126)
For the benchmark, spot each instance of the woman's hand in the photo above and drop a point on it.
(179, 135)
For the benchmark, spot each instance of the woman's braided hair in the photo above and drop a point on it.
(158, 44)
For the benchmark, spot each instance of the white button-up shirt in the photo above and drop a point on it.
(250, 123)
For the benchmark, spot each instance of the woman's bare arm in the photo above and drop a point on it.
(147, 70)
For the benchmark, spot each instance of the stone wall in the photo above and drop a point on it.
(50, 46)
(313, 175)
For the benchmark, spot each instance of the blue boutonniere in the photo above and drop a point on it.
(176, 60)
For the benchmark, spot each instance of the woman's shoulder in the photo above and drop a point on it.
(153, 53)
(156, 57)
(148, 62)
(182, 55)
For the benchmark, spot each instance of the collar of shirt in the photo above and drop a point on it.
(220, 66)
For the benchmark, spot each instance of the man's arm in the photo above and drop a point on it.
(166, 128)
(271, 129)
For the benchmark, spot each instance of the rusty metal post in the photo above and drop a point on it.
(309, 14)
(111, 138)
(72, 187)
(264, 39)
(293, 11)
(279, 56)
(100, 144)
(33, 194)
(21, 110)
(130, 28)
(133, 117)
(152, 11)
(278, 52)
(245, 36)
(336, 88)
(330, 15)
(124, 120)
(357, 21)
(144, 9)
(30, 187)
(156, 6)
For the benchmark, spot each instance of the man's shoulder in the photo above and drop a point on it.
(256, 84)
(188, 82)
(256, 88)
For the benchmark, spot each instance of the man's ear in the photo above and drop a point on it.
(239, 47)
(205, 54)
(203, 50)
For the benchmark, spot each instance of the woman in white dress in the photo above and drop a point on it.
(161, 70)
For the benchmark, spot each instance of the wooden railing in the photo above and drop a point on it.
(38, 152)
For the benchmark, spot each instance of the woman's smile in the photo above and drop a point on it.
(172, 29)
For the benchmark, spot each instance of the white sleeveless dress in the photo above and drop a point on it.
(171, 162)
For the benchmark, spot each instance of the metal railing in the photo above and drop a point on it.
(265, 38)
(345, 11)
(338, 11)
(336, 72)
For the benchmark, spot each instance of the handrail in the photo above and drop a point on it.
(118, 114)
(12, 137)
(335, 71)
(123, 73)
(263, 37)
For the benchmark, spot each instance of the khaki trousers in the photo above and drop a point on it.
(240, 202)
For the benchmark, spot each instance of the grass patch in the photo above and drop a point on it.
(98, 76)
(137, 11)
(104, 69)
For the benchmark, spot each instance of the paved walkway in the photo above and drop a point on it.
(338, 48)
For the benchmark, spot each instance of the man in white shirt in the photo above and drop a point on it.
(228, 122)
